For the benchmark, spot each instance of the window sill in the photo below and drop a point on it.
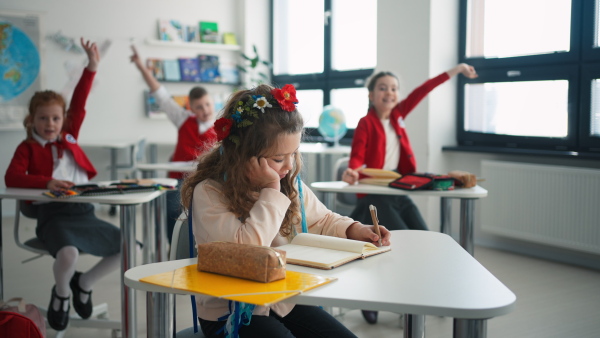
(526, 152)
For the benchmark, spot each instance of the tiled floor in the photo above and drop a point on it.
(553, 300)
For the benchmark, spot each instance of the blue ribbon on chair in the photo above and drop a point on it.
(304, 227)
(191, 243)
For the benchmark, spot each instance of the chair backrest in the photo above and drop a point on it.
(340, 166)
(180, 242)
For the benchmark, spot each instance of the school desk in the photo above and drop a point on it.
(153, 202)
(323, 155)
(467, 203)
(425, 273)
(149, 170)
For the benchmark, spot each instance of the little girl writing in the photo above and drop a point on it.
(247, 190)
(50, 158)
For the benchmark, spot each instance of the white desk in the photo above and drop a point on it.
(467, 203)
(114, 146)
(148, 169)
(320, 150)
(152, 202)
(426, 273)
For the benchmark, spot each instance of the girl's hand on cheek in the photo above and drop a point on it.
(261, 174)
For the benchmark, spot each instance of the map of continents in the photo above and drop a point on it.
(19, 62)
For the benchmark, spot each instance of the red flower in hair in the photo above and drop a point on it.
(286, 97)
(223, 128)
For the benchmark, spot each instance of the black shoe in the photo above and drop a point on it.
(58, 319)
(84, 310)
(370, 316)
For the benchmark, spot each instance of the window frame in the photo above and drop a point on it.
(326, 81)
(575, 65)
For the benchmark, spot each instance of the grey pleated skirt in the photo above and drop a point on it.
(76, 224)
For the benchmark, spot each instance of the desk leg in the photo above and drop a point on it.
(113, 176)
(414, 326)
(469, 328)
(148, 233)
(329, 200)
(128, 249)
(159, 314)
(466, 224)
(445, 209)
(160, 226)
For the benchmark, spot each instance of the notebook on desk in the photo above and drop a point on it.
(327, 252)
(237, 289)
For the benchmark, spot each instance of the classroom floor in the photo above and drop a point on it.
(553, 300)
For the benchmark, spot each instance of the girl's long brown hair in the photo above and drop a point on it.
(226, 162)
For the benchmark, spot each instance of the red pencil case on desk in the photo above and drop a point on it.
(423, 181)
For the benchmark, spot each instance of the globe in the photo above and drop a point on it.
(19, 61)
(332, 124)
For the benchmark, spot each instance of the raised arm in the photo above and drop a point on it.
(151, 81)
(464, 69)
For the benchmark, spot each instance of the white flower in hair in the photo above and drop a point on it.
(261, 103)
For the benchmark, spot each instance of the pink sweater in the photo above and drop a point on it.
(212, 221)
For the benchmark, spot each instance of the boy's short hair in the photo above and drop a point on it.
(197, 93)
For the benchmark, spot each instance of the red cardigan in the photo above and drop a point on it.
(368, 143)
(32, 164)
(190, 143)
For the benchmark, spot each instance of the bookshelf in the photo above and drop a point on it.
(195, 45)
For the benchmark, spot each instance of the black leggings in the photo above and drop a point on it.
(393, 212)
(302, 321)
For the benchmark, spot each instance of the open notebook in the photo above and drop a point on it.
(327, 252)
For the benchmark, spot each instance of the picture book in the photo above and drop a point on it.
(209, 32)
(327, 252)
(209, 68)
(189, 69)
(191, 33)
(171, 69)
(122, 187)
(378, 176)
(241, 290)
(170, 30)
(153, 111)
(156, 67)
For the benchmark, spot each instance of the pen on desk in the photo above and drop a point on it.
(375, 221)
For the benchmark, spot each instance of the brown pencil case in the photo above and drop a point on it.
(254, 262)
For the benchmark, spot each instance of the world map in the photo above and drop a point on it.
(19, 61)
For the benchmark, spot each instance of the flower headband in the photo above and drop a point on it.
(245, 113)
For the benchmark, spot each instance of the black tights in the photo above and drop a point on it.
(302, 321)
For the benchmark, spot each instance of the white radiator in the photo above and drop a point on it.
(553, 205)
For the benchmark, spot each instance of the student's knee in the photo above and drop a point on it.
(68, 254)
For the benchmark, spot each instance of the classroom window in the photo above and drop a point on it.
(327, 49)
(539, 65)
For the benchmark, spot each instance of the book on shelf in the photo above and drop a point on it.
(191, 33)
(327, 252)
(190, 279)
(229, 73)
(172, 72)
(378, 176)
(189, 69)
(153, 110)
(209, 68)
(170, 30)
(117, 188)
(229, 38)
(209, 32)
(156, 67)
